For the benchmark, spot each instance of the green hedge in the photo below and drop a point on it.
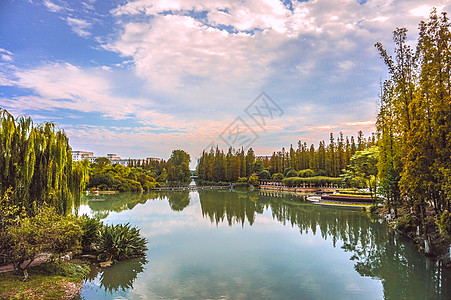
(201, 182)
(311, 181)
(353, 192)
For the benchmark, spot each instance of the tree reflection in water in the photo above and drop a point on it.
(120, 276)
(378, 252)
(102, 205)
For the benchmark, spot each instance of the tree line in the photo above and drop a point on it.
(141, 175)
(414, 125)
(327, 160)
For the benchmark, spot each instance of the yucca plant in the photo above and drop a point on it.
(119, 242)
(92, 228)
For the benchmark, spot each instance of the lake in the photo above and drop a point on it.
(239, 244)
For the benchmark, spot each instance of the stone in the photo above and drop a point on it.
(106, 264)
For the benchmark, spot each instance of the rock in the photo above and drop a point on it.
(106, 264)
(68, 256)
(89, 256)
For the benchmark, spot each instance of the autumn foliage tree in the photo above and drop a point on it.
(414, 121)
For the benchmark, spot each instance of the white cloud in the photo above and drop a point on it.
(5, 51)
(346, 65)
(236, 45)
(425, 10)
(66, 86)
(6, 57)
(53, 7)
(79, 26)
(175, 51)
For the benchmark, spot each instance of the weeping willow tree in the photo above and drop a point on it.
(36, 162)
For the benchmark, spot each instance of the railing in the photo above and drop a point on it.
(191, 187)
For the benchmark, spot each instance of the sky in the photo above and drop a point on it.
(141, 78)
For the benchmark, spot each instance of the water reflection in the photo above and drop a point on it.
(376, 251)
(101, 205)
(119, 277)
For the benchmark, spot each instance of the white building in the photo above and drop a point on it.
(81, 155)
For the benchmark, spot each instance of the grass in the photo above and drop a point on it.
(351, 195)
(346, 204)
(46, 281)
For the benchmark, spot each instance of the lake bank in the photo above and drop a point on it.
(46, 281)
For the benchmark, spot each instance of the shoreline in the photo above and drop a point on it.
(304, 190)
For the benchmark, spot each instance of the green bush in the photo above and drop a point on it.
(277, 176)
(405, 224)
(91, 228)
(373, 209)
(119, 242)
(285, 172)
(264, 175)
(353, 191)
(253, 180)
(306, 173)
(444, 224)
(320, 172)
(149, 185)
(62, 269)
(241, 184)
(45, 232)
(292, 173)
(311, 181)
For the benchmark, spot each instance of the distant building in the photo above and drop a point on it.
(81, 155)
(263, 157)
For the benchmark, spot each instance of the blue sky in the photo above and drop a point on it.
(143, 77)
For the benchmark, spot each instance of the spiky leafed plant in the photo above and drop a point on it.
(119, 242)
(92, 228)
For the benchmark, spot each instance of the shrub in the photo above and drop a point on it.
(311, 181)
(444, 224)
(119, 242)
(242, 179)
(45, 232)
(306, 173)
(292, 173)
(91, 228)
(253, 180)
(373, 209)
(101, 179)
(321, 173)
(264, 175)
(285, 172)
(405, 224)
(277, 176)
(242, 184)
(149, 185)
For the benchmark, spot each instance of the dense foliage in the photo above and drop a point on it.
(327, 160)
(40, 185)
(139, 176)
(36, 163)
(27, 237)
(312, 181)
(414, 123)
(119, 242)
(105, 176)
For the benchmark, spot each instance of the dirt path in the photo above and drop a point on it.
(41, 258)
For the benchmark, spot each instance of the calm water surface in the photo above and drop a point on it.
(221, 244)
